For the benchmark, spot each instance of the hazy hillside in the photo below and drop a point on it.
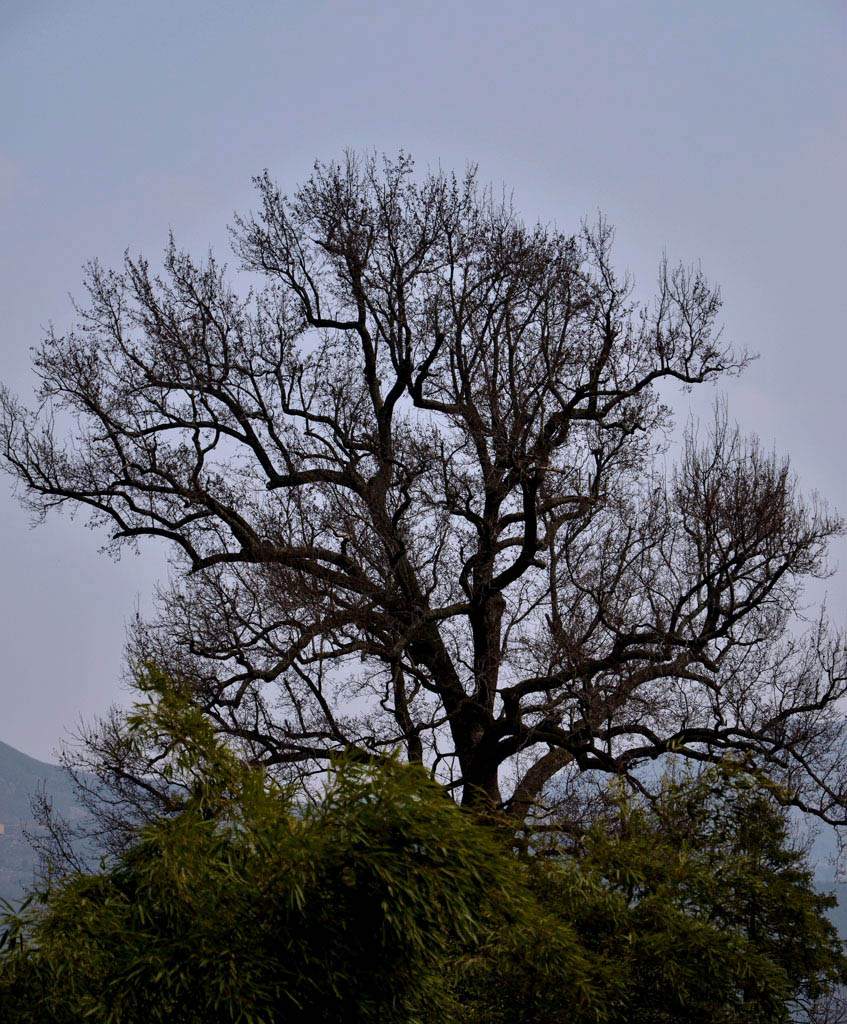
(20, 776)
(822, 857)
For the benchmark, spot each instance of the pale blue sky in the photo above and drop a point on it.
(715, 130)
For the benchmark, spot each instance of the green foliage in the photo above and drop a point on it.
(248, 907)
(383, 901)
(713, 885)
(693, 908)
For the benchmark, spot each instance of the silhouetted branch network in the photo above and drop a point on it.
(411, 488)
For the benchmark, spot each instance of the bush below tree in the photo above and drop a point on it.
(381, 900)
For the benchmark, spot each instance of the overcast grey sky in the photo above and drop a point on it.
(715, 130)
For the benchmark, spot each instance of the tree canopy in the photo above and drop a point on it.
(381, 900)
(408, 477)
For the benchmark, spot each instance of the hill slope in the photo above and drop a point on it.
(20, 777)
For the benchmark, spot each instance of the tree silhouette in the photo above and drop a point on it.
(410, 484)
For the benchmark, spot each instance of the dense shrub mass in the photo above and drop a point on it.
(380, 900)
(692, 909)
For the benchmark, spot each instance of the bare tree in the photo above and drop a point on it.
(411, 486)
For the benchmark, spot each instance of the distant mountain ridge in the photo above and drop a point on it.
(20, 778)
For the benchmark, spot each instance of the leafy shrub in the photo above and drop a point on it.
(383, 901)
